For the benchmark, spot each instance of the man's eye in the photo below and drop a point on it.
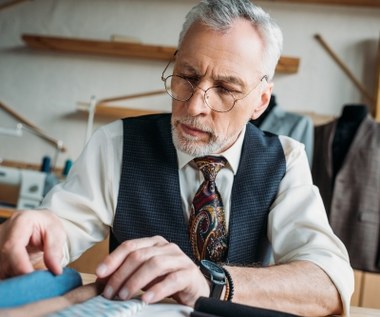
(222, 91)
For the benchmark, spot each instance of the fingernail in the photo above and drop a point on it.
(124, 293)
(108, 292)
(147, 297)
(101, 270)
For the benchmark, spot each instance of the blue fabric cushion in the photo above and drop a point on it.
(38, 285)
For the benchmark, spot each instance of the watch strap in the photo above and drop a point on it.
(215, 274)
(216, 288)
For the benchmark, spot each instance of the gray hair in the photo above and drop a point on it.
(220, 14)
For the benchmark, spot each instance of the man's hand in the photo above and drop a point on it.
(29, 238)
(156, 266)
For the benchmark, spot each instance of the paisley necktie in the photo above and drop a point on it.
(207, 227)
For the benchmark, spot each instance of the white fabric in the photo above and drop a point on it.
(99, 306)
(297, 226)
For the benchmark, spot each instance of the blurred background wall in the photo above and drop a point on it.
(46, 86)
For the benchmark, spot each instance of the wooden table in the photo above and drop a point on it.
(5, 212)
(364, 312)
(88, 278)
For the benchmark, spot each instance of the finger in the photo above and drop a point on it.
(17, 260)
(24, 236)
(184, 285)
(113, 261)
(14, 257)
(158, 263)
(169, 285)
(132, 262)
(53, 250)
(49, 236)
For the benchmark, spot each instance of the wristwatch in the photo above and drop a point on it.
(215, 274)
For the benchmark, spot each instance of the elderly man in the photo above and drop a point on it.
(198, 200)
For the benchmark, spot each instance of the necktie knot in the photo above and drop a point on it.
(210, 166)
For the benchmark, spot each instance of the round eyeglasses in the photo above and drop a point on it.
(217, 98)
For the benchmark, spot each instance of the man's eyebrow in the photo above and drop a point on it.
(221, 78)
(231, 79)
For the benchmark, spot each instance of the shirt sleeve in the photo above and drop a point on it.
(298, 226)
(86, 201)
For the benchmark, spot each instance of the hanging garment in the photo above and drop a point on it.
(353, 200)
(296, 126)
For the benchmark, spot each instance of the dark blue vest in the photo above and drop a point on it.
(149, 201)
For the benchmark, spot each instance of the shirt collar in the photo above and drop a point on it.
(232, 154)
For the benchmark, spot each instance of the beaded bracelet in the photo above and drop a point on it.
(229, 294)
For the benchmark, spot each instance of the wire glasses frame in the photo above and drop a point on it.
(217, 98)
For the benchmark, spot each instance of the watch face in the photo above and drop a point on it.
(213, 268)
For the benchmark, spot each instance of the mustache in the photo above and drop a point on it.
(194, 123)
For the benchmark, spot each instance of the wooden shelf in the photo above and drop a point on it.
(115, 112)
(114, 48)
(28, 166)
(124, 49)
(288, 65)
(361, 3)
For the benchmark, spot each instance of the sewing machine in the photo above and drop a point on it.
(21, 188)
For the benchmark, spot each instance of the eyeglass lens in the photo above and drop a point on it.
(217, 98)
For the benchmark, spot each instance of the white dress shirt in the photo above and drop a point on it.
(298, 227)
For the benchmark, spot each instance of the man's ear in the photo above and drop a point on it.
(264, 101)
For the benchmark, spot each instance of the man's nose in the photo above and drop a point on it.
(197, 103)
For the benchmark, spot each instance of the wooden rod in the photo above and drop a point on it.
(57, 143)
(345, 69)
(11, 3)
(377, 93)
(133, 96)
